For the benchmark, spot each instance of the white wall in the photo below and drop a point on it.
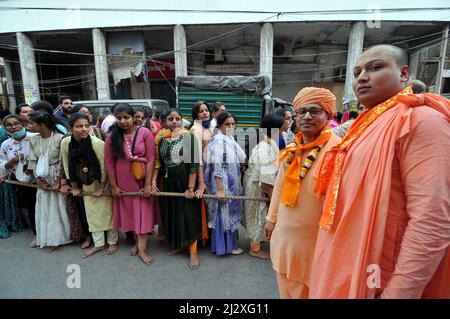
(18, 18)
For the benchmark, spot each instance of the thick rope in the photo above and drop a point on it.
(169, 194)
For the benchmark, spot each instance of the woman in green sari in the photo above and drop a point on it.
(181, 216)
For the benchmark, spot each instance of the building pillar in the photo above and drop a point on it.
(28, 68)
(442, 57)
(101, 64)
(179, 44)
(355, 47)
(10, 87)
(266, 51)
(413, 65)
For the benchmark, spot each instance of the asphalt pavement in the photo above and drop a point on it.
(33, 273)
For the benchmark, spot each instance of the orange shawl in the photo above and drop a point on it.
(332, 165)
(292, 183)
(367, 226)
(168, 134)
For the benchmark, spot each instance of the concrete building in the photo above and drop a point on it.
(137, 49)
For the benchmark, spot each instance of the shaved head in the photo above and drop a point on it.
(417, 86)
(400, 55)
(379, 73)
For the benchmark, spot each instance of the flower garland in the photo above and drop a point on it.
(310, 158)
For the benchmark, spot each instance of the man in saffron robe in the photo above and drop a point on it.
(295, 208)
(386, 224)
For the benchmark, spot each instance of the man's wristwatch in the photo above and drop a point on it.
(191, 189)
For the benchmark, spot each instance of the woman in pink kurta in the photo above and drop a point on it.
(131, 213)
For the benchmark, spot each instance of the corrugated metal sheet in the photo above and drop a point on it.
(247, 108)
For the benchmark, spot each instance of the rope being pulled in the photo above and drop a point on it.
(169, 194)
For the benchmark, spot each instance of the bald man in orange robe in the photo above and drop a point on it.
(386, 219)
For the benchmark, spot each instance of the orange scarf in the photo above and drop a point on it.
(292, 184)
(332, 166)
(169, 133)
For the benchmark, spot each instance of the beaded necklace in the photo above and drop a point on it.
(310, 158)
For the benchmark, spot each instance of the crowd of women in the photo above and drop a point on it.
(82, 172)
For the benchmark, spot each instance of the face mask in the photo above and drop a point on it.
(19, 134)
(206, 123)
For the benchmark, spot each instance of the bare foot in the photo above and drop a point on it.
(92, 251)
(51, 249)
(86, 243)
(175, 251)
(134, 250)
(33, 243)
(112, 249)
(194, 261)
(146, 259)
(260, 254)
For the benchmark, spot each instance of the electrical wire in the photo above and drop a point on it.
(193, 69)
(165, 77)
(14, 47)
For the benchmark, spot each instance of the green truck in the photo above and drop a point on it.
(247, 97)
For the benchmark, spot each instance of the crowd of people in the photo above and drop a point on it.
(76, 164)
(343, 194)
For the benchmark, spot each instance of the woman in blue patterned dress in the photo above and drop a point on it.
(223, 158)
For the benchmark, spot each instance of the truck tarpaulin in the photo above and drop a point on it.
(259, 84)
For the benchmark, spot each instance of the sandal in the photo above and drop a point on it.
(147, 262)
(174, 251)
(237, 251)
(86, 244)
(51, 249)
(260, 254)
